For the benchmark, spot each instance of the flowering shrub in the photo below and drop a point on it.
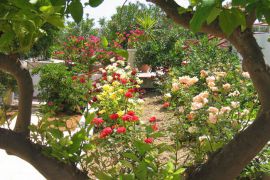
(85, 50)
(128, 39)
(61, 89)
(211, 104)
(112, 142)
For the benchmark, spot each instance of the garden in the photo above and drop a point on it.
(96, 117)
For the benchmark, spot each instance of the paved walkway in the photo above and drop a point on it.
(14, 168)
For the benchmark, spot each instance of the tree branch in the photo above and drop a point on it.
(12, 65)
(51, 168)
(171, 9)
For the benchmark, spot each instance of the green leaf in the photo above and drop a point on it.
(240, 2)
(122, 53)
(104, 41)
(201, 14)
(76, 139)
(103, 175)
(131, 156)
(56, 20)
(89, 118)
(56, 133)
(230, 19)
(47, 9)
(126, 164)
(6, 39)
(95, 3)
(182, 10)
(127, 177)
(76, 10)
(141, 171)
(193, 2)
(58, 2)
(213, 15)
(180, 171)
(23, 4)
(142, 147)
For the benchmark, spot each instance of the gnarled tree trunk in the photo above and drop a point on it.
(233, 157)
(17, 142)
(12, 65)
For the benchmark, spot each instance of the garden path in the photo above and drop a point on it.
(165, 118)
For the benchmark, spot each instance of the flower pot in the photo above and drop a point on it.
(145, 68)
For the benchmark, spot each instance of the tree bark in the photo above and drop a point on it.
(232, 158)
(12, 65)
(17, 142)
(50, 168)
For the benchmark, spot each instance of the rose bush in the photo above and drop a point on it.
(212, 102)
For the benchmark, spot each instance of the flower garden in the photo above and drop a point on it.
(96, 113)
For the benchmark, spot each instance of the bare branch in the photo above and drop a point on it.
(171, 9)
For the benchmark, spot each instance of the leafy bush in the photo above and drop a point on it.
(162, 49)
(61, 89)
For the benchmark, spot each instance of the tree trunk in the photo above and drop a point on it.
(12, 65)
(233, 157)
(17, 142)
(50, 168)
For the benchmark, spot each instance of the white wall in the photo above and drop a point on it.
(263, 42)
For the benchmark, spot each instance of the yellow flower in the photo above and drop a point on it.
(107, 88)
(99, 97)
(121, 91)
(115, 83)
(102, 111)
(113, 96)
(120, 113)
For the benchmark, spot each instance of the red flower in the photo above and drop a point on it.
(74, 78)
(97, 121)
(166, 104)
(131, 113)
(128, 94)
(127, 117)
(155, 127)
(149, 140)
(50, 103)
(94, 99)
(121, 130)
(135, 118)
(82, 80)
(105, 132)
(104, 78)
(124, 81)
(104, 74)
(152, 119)
(114, 116)
(132, 90)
